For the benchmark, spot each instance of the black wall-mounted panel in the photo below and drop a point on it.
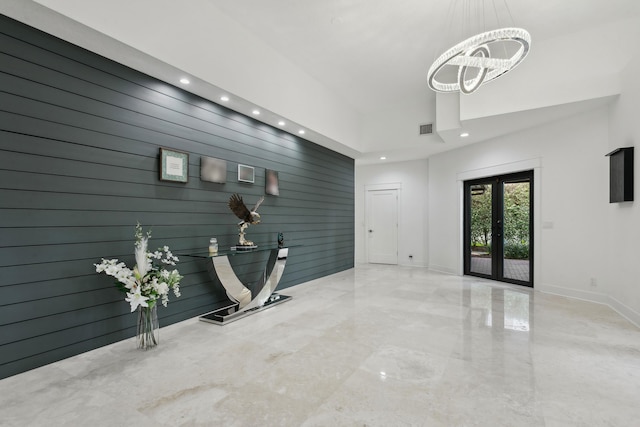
(79, 145)
(621, 175)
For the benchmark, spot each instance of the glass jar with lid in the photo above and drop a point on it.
(213, 246)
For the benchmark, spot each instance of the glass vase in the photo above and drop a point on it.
(148, 328)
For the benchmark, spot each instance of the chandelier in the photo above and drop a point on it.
(473, 58)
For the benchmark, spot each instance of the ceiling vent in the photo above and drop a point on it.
(426, 129)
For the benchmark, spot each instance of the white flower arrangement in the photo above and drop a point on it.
(147, 282)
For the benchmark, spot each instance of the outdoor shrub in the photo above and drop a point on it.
(516, 251)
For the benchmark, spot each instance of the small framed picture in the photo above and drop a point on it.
(271, 185)
(246, 174)
(174, 165)
(213, 170)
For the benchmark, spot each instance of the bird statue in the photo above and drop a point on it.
(247, 216)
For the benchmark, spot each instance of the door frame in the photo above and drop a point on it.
(381, 187)
(504, 169)
(497, 202)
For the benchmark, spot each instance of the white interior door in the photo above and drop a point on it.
(382, 226)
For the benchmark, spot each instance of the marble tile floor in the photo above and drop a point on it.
(372, 346)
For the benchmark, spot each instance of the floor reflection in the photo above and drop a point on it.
(497, 341)
(498, 308)
(379, 345)
(517, 310)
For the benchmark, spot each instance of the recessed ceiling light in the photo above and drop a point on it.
(224, 98)
(464, 134)
(256, 112)
(184, 81)
(301, 131)
(281, 123)
(383, 158)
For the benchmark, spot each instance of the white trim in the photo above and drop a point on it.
(416, 264)
(395, 186)
(595, 297)
(504, 169)
(443, 269)
(382, 187)
(625, 311)
(622, 309)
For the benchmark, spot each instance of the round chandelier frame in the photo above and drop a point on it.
(474, 52)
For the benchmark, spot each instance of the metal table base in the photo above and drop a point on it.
(225, 315)
(242, 301)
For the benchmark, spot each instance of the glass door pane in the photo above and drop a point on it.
(498, 231)
(515, 232)
(481, 207)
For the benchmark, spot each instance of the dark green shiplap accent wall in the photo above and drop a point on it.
(79, 153)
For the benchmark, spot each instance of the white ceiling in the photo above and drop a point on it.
(376, 53)
(358, 66)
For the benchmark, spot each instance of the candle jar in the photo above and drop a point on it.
(213, 246)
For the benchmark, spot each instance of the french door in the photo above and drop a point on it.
(498, 228)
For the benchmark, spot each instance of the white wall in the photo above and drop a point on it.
(575, 245)
(399, 123)
(412, 218)
(216, 49)
(623, 219)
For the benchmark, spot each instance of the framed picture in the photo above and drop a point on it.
(271, 184)
(213, 170)
(174, 165)
(246, 174)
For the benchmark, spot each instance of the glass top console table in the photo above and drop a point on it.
(243, 301)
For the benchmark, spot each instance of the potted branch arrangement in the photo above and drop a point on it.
(148, 283)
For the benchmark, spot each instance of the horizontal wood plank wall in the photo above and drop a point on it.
(79, 158)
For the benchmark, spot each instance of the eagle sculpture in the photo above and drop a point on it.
(247, 216)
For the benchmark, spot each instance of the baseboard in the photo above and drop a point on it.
(590, 296)
(625, 311)
(622, 309)
(442, 269)
(414, 264)
(597, 297)
(409, 264)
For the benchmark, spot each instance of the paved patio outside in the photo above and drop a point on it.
(517, 269)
